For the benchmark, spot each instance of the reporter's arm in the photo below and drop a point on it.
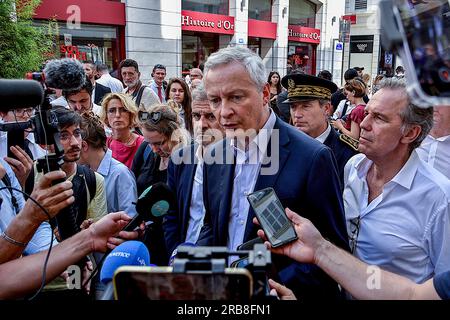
(22, 276)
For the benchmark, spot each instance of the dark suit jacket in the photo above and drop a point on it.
(307, 182)
(342, 152)
(100, 92)
(285, 108)
(180, 179)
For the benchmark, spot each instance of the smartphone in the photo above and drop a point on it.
(272, 217)
(133, 283)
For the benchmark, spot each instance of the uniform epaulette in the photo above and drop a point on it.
(352, 143)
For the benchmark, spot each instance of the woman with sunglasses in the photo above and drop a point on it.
(163, 134)
(119, 113)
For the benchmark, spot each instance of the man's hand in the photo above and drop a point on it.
(104, 231)
(52, 198)
(304, 248)
(280, 291)
(21, 166)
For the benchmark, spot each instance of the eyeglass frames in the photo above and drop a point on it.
(354, 230)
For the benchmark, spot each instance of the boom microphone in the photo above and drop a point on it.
(65, 74)
(20, 94)
(129, 253)
(152, 205)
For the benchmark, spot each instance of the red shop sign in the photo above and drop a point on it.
(304, 34)
(72, 52)
(206, 22)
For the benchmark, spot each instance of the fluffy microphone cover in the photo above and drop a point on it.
(65, 74)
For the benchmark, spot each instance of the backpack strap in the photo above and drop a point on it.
(89, 177)
(14, 202)
(139, 96)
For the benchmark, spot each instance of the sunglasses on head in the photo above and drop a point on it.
(154, 117)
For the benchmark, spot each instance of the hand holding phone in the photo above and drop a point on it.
(272, 217)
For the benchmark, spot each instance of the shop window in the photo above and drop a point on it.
(207, 6)
(302, 13)
(260, 10)
(196, 49)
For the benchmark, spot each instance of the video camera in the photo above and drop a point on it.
(198, 273)
(419, 31)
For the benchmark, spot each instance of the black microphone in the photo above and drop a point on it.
(152, 205)
(20, 94)
(65, 74)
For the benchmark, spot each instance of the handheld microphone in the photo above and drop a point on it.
(175, 252)
(129, 253)
(152, 205)
(65, 74)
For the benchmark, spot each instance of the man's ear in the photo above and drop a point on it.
(266, 94)
(84, 146)
(411, 134)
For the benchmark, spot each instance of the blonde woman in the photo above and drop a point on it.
(119, 113)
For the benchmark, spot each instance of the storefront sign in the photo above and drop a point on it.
(350, 17)
(262, 29)
(72, 52)
(206, 22)
(67, 39)
(361, 44)
(304, 34)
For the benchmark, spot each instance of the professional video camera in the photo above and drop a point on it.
(63, 74)
(419, 31)
(198, 273)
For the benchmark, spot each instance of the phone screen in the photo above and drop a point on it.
(272, 217)
(159, 283)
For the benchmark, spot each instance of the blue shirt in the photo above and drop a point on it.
(41, 239)
(121, 190)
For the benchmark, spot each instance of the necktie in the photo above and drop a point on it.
(160, 94)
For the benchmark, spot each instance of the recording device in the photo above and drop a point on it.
(129, 253)
(419, 31)
(65, 74)
(198, 273)
(272, 217)
(152, 205)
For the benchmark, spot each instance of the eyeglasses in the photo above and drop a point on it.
(21, 112)
(354, 230)
(114, 110)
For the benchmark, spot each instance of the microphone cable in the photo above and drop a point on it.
(44, 271)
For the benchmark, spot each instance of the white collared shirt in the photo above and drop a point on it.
(248, 164)
(114, 84)
(436, 151)
(36, 150)
(197, 208)
(406, 229)
(324, 135)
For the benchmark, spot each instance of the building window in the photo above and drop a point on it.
(302, 13)
(197, 47)
(360, 5)
(260, 10)
(207, 6)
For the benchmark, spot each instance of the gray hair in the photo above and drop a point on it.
(244, 56)
(412, 114)
(199, 94)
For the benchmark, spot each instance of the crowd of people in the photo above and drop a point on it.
(365, 173)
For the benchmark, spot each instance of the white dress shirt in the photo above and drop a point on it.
(114, 84)
(248, 164)
(406, 229)
(197, 209)
(436, 151)
(324, 135)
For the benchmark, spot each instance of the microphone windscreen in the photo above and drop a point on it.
(65, 74)
(155, 201)
(129, 253)
(20, 94)
(174, 253)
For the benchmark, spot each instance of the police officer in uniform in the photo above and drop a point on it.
(310, 107)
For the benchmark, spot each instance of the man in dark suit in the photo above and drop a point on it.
(98, 90)
(185, 178)
(310, 110)
(262, 151)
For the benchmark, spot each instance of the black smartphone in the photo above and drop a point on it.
(272, 217)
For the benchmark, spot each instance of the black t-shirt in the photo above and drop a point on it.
(442, 285)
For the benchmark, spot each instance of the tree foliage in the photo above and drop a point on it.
(23, 47)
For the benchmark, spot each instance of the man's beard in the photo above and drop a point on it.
(72, 159)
